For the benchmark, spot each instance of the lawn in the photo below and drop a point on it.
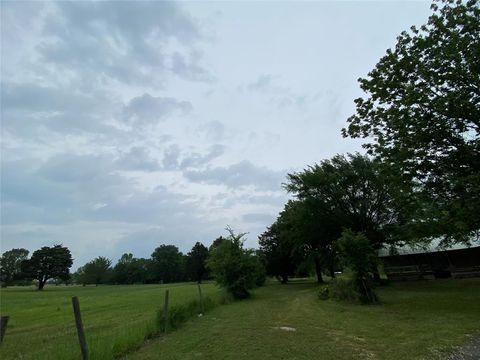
(116, 318)
(417, 320)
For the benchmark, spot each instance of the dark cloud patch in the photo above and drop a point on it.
(196, 160)
(125, 41)
(188, 67)
(263, 83)
(240, 174)
(137, 158)
(147, 109)
(28, 107)
(280, 96)
(171, 157)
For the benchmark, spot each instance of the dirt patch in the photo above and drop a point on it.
(470, 351)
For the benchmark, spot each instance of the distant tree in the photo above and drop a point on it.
(167, 264)
(216, 242)
(48, 263)
(131, 270)
(10, 266)
(97, 271)
(421, 115)
(278, 253)
(234, 268)
(196, 262)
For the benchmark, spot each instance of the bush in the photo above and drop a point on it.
(235, 269)
(344, 290)
(359, 256)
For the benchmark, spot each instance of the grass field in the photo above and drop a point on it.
(116, 318)
(418, 320)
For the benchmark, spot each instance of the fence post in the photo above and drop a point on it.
(165, 311)
(80, 332)
(200, 299)
(3, 326)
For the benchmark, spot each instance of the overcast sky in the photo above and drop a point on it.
(126, 125)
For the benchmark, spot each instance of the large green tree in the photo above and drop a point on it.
(421, 114)
(48, 263)
(278, 252)
(345, 192)
(10, 265)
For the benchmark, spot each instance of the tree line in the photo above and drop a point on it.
(167, 264)
(234, 267)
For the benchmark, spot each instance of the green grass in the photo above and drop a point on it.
(117, 319)
(418, 320)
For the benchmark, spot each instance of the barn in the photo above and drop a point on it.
(431, 263)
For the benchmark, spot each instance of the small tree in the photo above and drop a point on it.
(47, 263)
(359, 256)
(234, 268)
(10, 265)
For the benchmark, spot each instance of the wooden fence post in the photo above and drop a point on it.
(3, 326)
(200, 299)
(165, 311)
(80, 332)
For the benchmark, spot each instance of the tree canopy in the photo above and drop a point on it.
(10, 265)
(197, 262)
(48, 263)
(422, 111)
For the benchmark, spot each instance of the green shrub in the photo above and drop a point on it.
(344, 290)
(359, 256)
(235, 269)
(324, 293)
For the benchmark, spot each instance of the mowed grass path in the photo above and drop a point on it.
(418, 320)
(116, 318)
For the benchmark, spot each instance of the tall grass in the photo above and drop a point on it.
(117, 319)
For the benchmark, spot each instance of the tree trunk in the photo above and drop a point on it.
(41, 284)
(284, 279)
(332, 272)
(376, 274)
(318, 270)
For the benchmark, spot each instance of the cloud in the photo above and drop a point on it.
(240, 174)
(137, 158)
(188, 67)
(196, 160)
(147, 109)
(259, 218)
(123, 41)
(212, 130)
(263, 83)
(280, 96)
